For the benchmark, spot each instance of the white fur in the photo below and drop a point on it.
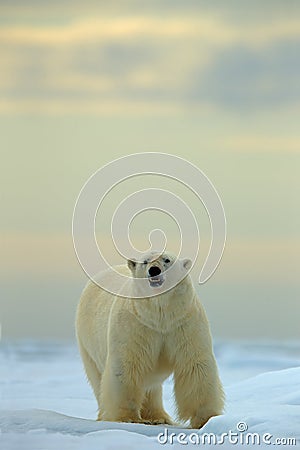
(130, 346)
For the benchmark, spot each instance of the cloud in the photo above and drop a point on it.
(243, 78)
(204, 26)
(114, 29)
(50, 255)
(251, 143)
(148, 61)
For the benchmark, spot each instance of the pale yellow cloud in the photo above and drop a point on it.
(43, 69)
(100, 107)
(42, 255)
(207, 27)
(117, 28)
(261, 260)
(257, 143)
(29, 255)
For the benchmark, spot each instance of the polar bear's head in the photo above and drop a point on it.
(160, 271)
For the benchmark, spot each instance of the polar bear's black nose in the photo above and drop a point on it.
(154, 271)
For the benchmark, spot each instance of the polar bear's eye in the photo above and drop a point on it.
(145, 262)
(167, 260)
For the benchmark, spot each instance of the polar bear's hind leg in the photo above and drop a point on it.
(93, 374)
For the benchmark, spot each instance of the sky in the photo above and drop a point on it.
(83, 83)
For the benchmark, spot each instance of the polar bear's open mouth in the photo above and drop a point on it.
(156, 281)
(155, 277)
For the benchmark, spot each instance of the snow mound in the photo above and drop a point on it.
(22, 421)
(47, 404)
(266, 403)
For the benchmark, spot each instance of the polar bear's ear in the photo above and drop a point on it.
(186, 264)
(131, 264)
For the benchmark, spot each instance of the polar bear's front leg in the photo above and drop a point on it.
(197, 386)
(152, 409)
(121, 398)
(198, 391)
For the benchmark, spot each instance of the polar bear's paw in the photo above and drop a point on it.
(200, 421)
(126, 419)
(134, 420)
(159, 418)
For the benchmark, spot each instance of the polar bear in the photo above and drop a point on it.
(129, 346)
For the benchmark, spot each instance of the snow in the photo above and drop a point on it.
(47, 404)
